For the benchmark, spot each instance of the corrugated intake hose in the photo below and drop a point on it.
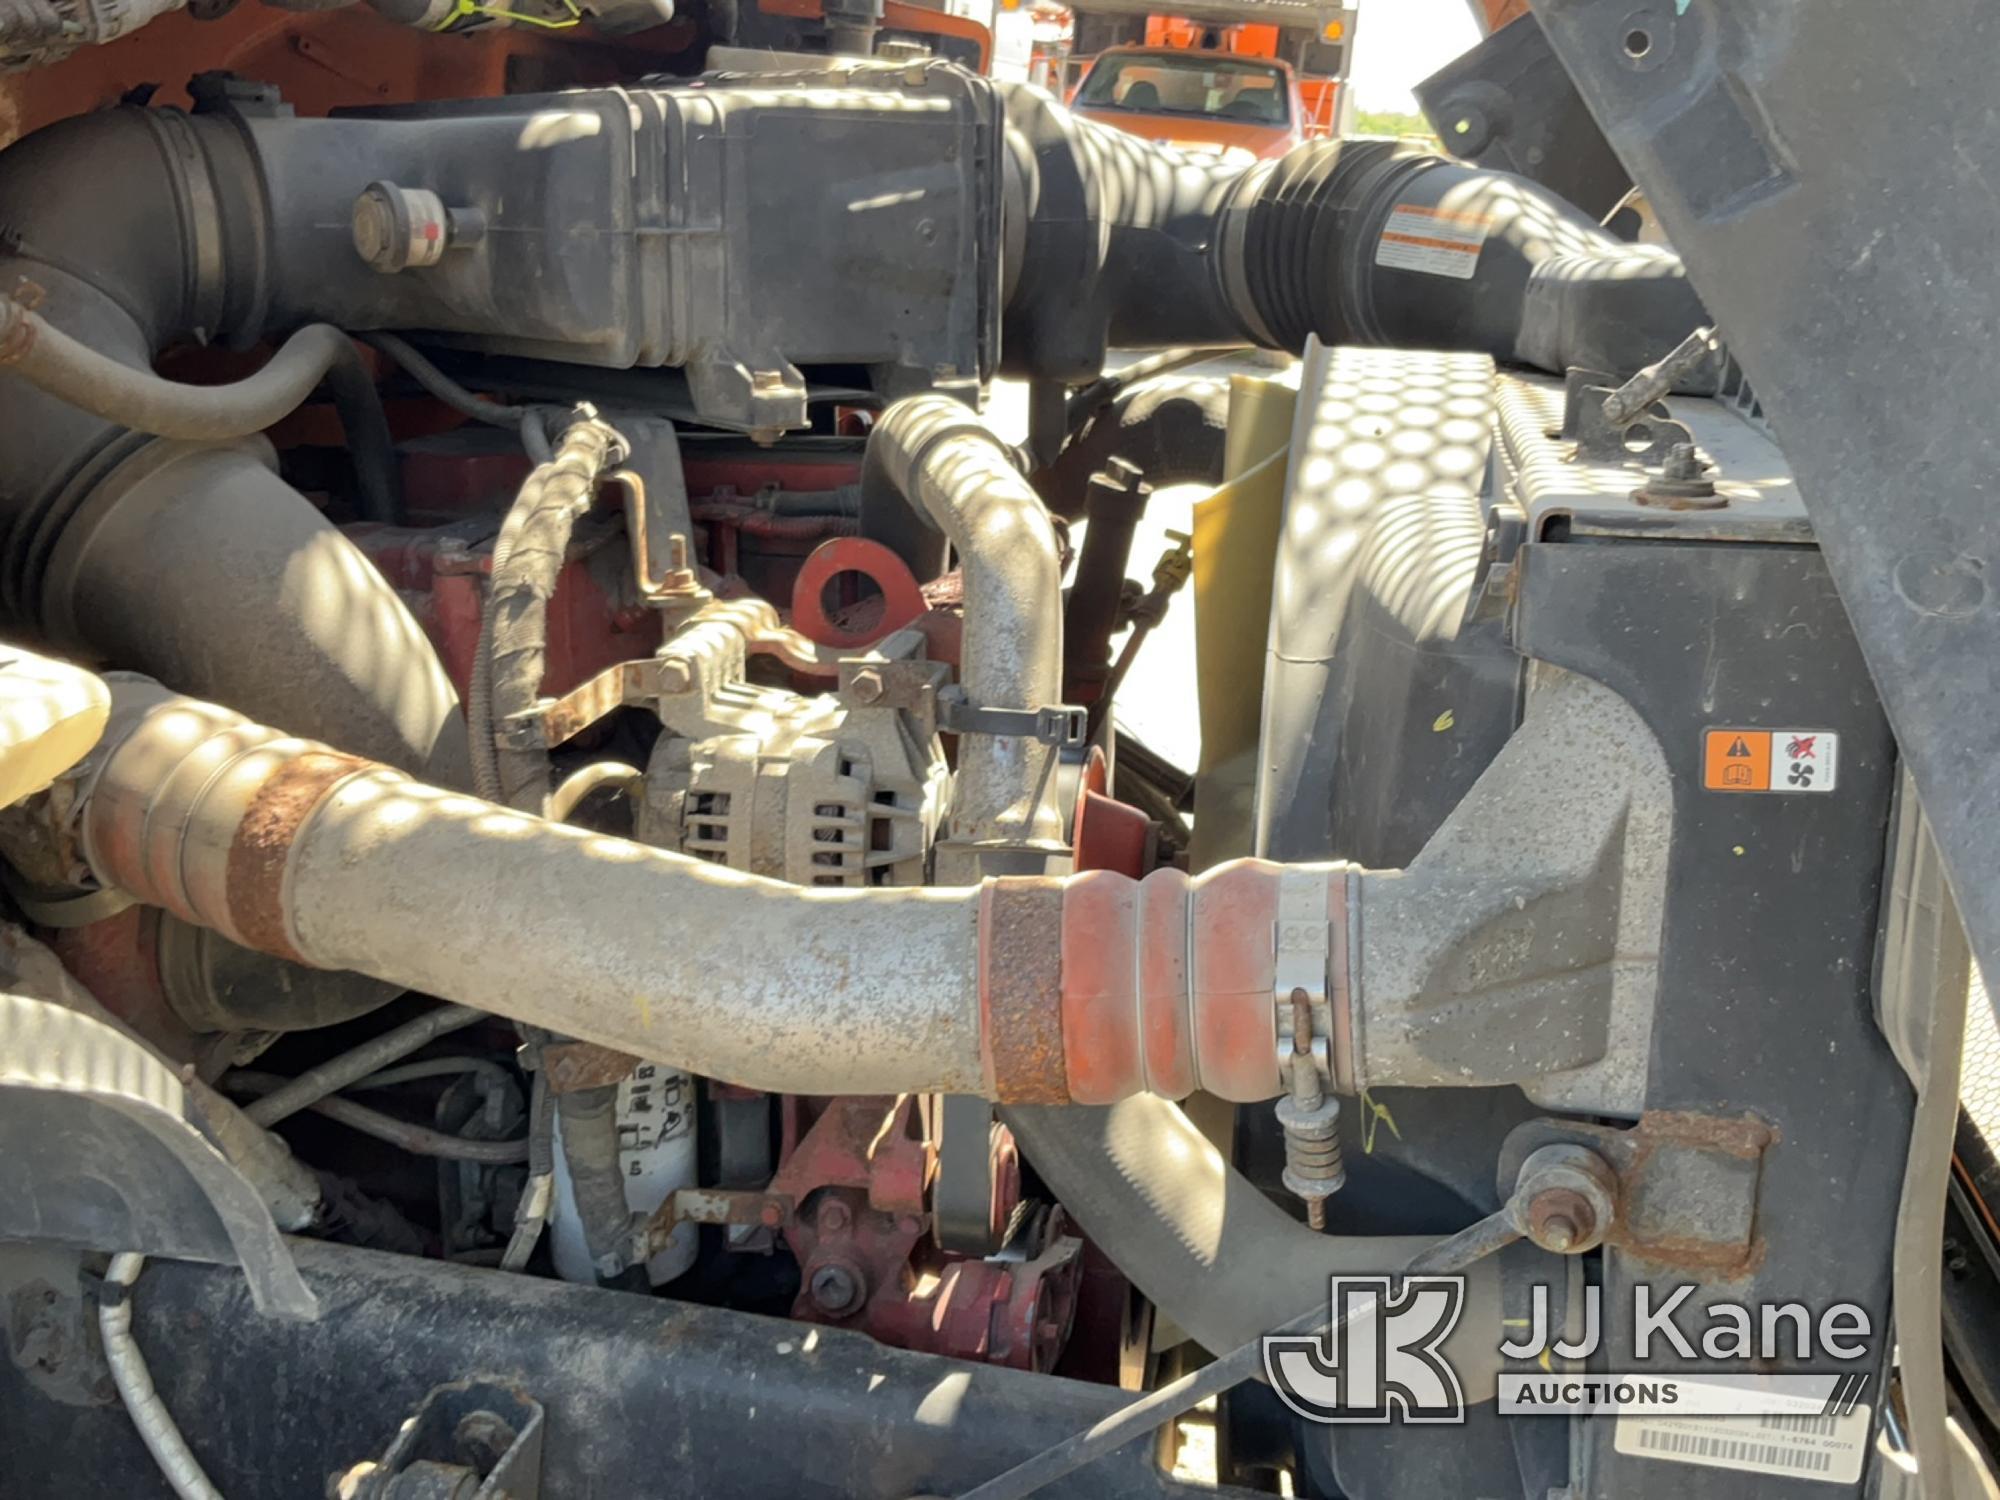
(1130, 243)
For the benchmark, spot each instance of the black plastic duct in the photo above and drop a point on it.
(1119, 242)
(194, 563)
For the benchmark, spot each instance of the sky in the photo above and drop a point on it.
(1399, 43)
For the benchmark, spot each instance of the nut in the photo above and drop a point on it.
(1564, 1199)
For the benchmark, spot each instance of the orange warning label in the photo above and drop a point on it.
(1769, 760)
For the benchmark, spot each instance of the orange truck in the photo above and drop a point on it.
(1262, 54)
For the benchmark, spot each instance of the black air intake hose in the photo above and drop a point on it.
(1129, 243)
(193, 562)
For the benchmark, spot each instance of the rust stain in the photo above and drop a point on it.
(572, 1066)
(1744, 1136)
(254, 877)
(1731, 1262)
(1020, 962)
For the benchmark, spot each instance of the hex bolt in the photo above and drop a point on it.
(1682, 463)
(835, 1289)
(1564, 1199)
(833, 1216)
(482, 1439)
(675, 676)
(865, 686)
(1684, 483)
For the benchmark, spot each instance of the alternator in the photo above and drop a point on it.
(838, 789)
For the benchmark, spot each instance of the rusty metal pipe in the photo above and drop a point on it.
(1088, 989)
(289, 847)
(1033, 990)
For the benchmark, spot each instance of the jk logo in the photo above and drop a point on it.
(1380, 1359)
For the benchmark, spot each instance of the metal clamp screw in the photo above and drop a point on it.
(1310, 1118)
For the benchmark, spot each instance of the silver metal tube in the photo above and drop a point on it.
(292, 848)
(336, 1073)
(950, 465)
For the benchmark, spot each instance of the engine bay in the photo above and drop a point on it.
(587, 903)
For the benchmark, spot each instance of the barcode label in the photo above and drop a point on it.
(1800, 1446)
(1822, 1425)
(1733, 1452)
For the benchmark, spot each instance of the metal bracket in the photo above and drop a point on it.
(1060, 724)
(1645, 438)
(1687, 1183)
(478, 1438)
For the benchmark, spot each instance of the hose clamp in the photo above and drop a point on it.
(1303, 944)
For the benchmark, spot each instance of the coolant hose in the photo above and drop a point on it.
(930, 457)
(37, 351)
(43, 355)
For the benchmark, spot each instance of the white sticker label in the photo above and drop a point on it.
(1435, 241)
(655, 1106)
(1799, 1446)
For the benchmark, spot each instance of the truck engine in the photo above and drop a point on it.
(582, 914)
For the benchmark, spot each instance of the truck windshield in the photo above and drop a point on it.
(1197, 84)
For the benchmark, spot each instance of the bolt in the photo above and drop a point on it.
(1559, 1219)
(1316, 1215)
(1684, 483)
(482, 1439)
(680, 579)
(835, 1289)
(833, 1216)
(865, 686)
(771, 1216)
(675, 676)
(1681, 463)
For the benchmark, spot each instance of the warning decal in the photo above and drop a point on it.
(1435, 241)
(1826, 1448)
(1769, 760)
